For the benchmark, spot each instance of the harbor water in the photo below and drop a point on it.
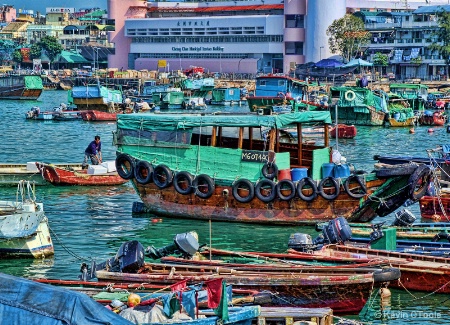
(90, 223)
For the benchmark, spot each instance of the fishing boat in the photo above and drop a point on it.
(400, 113)
(357, 106)
(26, 301)
(216, 167)
(436, 208)
(277, 90)
(96, 97)
(24, 230)
(343, 131)
(226, 96)
(415, 94)
(195, 92)
(284, 288)
(436, 118)
(12, 174)
(94, 115)
(418, 272)
(172, 98)
(57, 175)
(56, 114)
(14, 86)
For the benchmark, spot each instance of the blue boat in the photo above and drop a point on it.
(226, 96)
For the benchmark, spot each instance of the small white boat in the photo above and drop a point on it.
(24, 230)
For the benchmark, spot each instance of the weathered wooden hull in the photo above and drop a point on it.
(348, 115)
(223, 207)
(344, 131)
(92, 115)
(38, 245)
(343, 293)
(411, 121)
(430, 208)
(12, 174)
(60, 176)
(418, 272)
(19, 93)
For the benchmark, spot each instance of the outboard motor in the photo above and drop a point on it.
(185, 244)
(403, 218)
(336, 231)
(377, 231)
(301, 242)
(129, 258)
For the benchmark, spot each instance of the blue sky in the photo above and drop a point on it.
(40, 5)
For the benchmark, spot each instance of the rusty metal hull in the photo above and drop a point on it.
(62, 176)
(346, 293)
(220, 207)
(19, 93)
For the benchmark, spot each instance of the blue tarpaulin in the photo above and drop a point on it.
(328, 63)
(27, 302)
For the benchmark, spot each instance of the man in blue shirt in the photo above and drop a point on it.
(93, 152)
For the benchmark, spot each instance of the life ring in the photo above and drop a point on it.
(285, 184)
(270, 170)
(350, 95)
(162, 176)
(335, 184)
(419, 181)
(265, 186)
(241, 186)
(386, 274)
(441, 235)
(204, 186)
(362, 187)
(182, 182)
(301, 185)
(143, 172)
(125, 166)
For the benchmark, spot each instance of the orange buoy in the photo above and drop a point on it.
(411, 130)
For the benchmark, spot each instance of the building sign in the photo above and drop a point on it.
(192, 23)
(25, 54)
(162, 63)
(198, 49)
(37, 64)
(60, 10)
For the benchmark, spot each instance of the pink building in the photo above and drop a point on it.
(7, 14)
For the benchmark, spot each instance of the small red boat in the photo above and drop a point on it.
(431, 207)
(77, 176)
(344, 131)
(94, 115)
(437, 118)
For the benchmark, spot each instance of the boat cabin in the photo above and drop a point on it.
(416, 94)
(225, 146)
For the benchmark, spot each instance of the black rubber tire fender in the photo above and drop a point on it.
(441, 235)
(187, 179)
(162, 176)
(301, 184)
(386, 274)
(290, 185)
(422, 178)
(335, 184)
(266, 198)
(124, 171)
(266, 170)
(396, 170)
(201, 181)
(143, 172)
(361, 184)
(246, 184)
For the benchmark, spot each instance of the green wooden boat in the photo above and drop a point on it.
(416, 94)
(238, 168)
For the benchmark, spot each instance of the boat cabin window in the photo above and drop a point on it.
(262, 82)
(156, 138)
(281, 83)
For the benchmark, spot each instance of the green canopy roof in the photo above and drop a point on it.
(71, 57)
(152, 122)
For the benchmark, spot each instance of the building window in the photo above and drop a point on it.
(295, 21)
(294, 48)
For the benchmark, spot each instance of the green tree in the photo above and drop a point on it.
(380, 59)
(50, 45)
(441, 36)
(347, 35)
(17, 56)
